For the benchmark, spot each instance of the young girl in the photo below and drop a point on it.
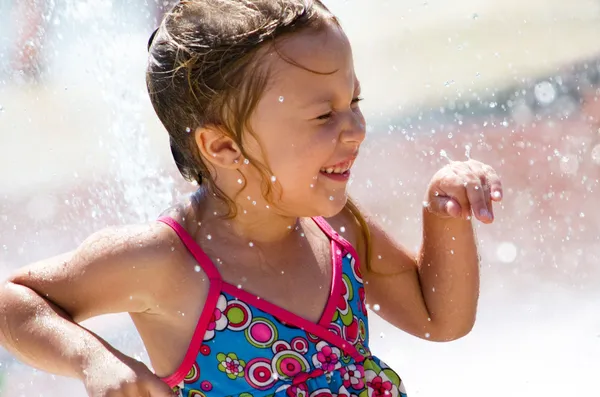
(257, 285)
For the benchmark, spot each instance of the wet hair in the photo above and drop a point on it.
(204, 69)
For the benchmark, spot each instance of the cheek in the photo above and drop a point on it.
(297, 168)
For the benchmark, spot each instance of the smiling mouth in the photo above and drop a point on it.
(339, 168)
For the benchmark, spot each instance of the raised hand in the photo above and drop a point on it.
(462, 189)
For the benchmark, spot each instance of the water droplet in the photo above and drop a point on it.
(281, 99)
(240, 181)
(311, 185)
(246, 161)
(433, 289)
(451, 252)
(273, 178)
(425, 204)
(545, 92)
(342, 229)
(130, 297)
(476, 187)
(382, 335)
(427, 335)
(239, 286)
(378, 256)
(468, 151)
(251, 244)
(301, 234)
(197, 268)
(330, 198)
(209, 237)
(496, 195)
(254, 203)
(376, 307)
(506, 252)
(188, 129)
(172, 249)
(444, 155)
(581, 215)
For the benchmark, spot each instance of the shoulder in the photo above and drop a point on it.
(151, 242)
(348, 226)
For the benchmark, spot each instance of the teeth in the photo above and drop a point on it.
(337, 170)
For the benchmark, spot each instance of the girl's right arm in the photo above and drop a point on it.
(113, 271)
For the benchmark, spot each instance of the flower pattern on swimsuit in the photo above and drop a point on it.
(251, 348)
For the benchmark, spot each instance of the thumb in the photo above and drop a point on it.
(444, 206)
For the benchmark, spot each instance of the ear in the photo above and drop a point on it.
(217, 147)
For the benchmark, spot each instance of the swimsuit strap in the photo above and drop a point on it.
(335, 236)
(328, 230)
(203, 260)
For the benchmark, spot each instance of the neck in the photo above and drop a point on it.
(255, 221)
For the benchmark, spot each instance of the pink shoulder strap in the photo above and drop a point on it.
(335, 236)
(326, 228)
(203, 260)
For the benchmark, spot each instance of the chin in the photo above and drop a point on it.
(331, 208)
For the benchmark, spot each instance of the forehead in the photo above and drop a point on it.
(311, 59)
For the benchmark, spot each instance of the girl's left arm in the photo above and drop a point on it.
(433, 294)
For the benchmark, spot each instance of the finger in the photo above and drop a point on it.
(444, 206)
(494, 183)
(488, 197)
(477, 200)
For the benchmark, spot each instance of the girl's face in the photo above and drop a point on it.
(309, 125)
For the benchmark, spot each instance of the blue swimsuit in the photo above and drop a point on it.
(244, 346)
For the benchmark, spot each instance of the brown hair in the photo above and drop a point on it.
(202, 71)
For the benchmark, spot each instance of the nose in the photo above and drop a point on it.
(353, 129)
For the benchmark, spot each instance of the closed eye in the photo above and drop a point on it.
(357, 100)
(329, 114)
(325, 116)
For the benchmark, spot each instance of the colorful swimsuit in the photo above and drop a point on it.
(244, 346)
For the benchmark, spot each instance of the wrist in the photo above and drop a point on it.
(87, 356)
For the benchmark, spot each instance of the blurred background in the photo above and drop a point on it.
(513, 83)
